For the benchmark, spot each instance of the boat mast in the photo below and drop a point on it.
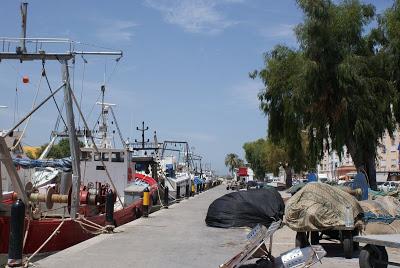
(24, 15)
(73, 142)
(22, 54)
(104, 124)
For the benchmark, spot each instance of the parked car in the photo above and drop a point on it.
(389, 186)
(252, 185)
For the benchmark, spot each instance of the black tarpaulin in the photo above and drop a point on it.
(246, 208)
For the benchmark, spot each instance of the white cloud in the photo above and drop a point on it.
(280, 31)
(116, 30)
(195, 16)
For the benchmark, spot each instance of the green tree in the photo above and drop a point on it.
(233, 161)
(59, 150)
(389, 35)
(283, 101)
(277, 157)
(256, 157)
(336, 87)
(263, 155)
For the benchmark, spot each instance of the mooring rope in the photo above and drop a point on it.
(45, 242)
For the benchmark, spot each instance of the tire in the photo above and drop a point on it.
(369, 254)
(348, 246)
(301, 240)
(356, 245)
(314, 238)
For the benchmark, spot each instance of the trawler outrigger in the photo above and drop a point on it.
(59, 215)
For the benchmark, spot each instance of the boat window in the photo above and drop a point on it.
(117, 157)
(105, 157)
(87, 156)
(97, 157)
(100, 168)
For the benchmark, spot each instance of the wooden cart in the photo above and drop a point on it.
(374, 253)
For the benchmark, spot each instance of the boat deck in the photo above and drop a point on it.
(178, 237)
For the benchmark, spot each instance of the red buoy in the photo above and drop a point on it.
(25, 79)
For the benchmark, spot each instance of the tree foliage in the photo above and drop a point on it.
(59, 150)
(337, 86)
(256, 155)
(265, 156)
(389, 34)
(233, 161)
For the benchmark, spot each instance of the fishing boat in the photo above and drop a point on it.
(74, 208)
(176, 169)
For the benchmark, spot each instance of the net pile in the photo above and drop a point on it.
(319, 206)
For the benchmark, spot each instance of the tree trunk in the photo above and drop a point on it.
(288, 171)
(370, 168)
(367, 164)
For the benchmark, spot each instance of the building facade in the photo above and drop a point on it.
(388, 159)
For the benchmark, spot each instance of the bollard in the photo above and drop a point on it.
(193, 190)
(110, 208)
(146, 202)
(166, 200)
(178, 193)
(16, 234)
(187, 193)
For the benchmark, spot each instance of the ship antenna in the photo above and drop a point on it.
(103, 89)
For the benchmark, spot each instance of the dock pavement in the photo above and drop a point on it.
(178, 237)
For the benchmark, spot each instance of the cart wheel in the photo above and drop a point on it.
(348, 245)
(370, 254)
(227, 188)
(301, 240)
(314, 238)
(356, 245)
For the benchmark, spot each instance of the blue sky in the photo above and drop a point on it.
(184, 71)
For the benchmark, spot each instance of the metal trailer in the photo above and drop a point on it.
(374, 253)
(342, 233)
(260, 246)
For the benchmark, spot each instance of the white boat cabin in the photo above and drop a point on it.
(117, 161)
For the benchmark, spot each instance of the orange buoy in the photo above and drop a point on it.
(25, 79)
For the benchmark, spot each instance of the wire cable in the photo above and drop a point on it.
(44, 73)
(29, 119)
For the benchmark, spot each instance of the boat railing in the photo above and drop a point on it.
(9, 44)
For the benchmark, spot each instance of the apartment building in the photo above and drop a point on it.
(388, 159)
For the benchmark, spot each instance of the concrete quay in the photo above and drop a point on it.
(179, 237)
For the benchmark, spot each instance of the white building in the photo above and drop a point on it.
(388, 159)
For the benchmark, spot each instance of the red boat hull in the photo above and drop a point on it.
(70, 233)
